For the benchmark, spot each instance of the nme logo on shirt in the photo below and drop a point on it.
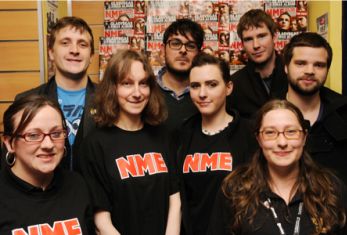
(136, 165)
(201, 162)
(65, 227)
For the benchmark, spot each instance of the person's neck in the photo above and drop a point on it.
(266, 69)
(216, 123)
(174, 82)
(71, 84)
(282, 181)
(308, 105)
(39, 181)
(129, 123)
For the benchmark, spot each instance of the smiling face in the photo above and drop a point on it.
(259, 44)
(208, 89)
(133, 92)
(307, 70)
(281, 153)
(37, 160)
(71, 53)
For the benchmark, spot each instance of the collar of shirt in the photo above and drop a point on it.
(27, 187)
(166, 89)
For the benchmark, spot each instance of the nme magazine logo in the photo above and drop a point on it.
(137, 166)
(202, 162)
(65, 227)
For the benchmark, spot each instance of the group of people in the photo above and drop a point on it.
(190, 151)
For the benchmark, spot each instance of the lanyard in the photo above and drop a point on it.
(268, 205)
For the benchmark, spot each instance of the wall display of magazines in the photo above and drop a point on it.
(140, 25)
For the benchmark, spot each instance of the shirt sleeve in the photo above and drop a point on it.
(94, 172)
(220, 219)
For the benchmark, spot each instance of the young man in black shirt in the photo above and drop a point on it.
(182, 41)
(263, 77)
(307, 60)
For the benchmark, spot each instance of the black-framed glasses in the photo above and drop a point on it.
(39, 136)
(177, 44)
(289, 134)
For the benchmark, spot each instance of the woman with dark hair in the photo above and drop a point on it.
(211, 143)
(126, 159)
(36, 195)
(282, 191)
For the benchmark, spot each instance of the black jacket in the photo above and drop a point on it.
(249, 92)
(49, 89)
(327, 139)
(241, 141)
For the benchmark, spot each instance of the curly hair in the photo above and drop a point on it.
(106, 102)
(318, 186)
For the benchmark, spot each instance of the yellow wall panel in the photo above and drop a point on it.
(90, 11)
(3, 107)
(98, 31)
(19, 56)
(29, 4)
(13, 83)
(94, 66)
(18, 25)
(94, 78)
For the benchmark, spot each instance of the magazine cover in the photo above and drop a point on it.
(108, 46)
(122, 11)
(285, 14)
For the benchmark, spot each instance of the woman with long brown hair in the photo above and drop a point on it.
(282, 191)
(126, 159)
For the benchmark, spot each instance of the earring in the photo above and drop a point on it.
(10, 159)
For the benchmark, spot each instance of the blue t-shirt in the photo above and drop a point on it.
(72, 105)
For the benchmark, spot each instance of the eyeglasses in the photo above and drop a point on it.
(289, 134)
(176, 44)
(39, 136)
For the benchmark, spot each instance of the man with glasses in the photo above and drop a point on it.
(307, 59)
(182, 41)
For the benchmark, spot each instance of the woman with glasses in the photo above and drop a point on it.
(36, 196)
(211, 143)
(126, 160)
(282, 191)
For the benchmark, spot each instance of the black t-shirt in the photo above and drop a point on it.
(63, 208)
(130, 175)
(208, 161)
(264, 222)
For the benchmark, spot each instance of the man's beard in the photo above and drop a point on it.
(73, 76)
(314, 90)
(178, 73)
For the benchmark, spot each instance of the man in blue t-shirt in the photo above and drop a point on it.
(71, 47)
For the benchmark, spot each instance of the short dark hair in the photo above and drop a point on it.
(106, 101)
(255, 18)
(74, 22)
(206, 59)
(30, 105)
(184, 27)
(308, 39)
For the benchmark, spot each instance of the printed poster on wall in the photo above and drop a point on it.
(141, 24)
